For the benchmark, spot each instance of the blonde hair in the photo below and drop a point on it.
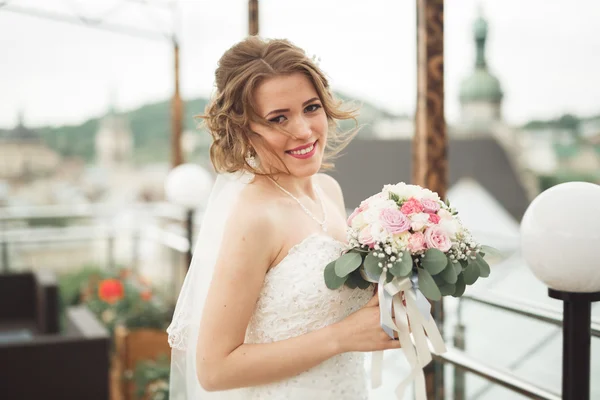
(228, 115)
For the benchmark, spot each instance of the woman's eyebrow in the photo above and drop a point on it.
(281, 110)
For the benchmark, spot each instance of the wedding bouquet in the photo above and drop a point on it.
(407, 230)
(414, 246)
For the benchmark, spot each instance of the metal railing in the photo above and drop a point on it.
(16, 236)
(499, 376)
(525, 308)
(179, 244)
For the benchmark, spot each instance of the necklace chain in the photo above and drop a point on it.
(306, 210)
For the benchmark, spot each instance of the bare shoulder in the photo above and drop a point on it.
(333, 190)
(250, 231)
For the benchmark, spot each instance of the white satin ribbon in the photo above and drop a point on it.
(413, 337)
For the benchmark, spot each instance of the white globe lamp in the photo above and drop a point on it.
(188, 185)
(560, 240)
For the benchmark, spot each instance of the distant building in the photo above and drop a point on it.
(24, 155)
(114, 142)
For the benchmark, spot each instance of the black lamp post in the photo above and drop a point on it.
(577, 334)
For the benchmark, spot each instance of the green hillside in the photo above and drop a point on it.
(151, 130)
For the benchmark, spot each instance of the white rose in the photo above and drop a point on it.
(419, 221)
(445, 214)
(378, 233)
(428, 194)
(401, 240)
(358, 222)
(450, 226)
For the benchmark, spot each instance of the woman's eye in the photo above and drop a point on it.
(277, 120)
(312, 107)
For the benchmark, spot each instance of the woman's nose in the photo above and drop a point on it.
(302, 130)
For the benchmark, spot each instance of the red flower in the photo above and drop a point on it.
(411, 206)
(146, 295)
(434, 218)
(111, 290)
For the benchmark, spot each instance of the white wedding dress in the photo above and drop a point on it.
(294, 300)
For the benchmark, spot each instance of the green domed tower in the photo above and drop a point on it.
(480, 93)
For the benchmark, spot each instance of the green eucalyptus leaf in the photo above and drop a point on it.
(457, 268)
(363, 284)
(439, 281)
(347, 263)
(389, 277)
(449, 274)
(471, 273)
(404, 267)
(492, 255)
(448, 289)
(352, 281)
(484, 267)
(463, 263)
(428, 286)
(434, 261)
(332, 280)
(460, 286)
(372, 267)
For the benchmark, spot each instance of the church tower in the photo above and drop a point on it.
(480, 93)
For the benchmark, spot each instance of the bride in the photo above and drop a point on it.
(254, 319)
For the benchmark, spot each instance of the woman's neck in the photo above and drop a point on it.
(297, 187)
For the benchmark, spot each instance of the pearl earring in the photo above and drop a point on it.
(252, 161)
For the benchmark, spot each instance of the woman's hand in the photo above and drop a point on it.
(361, 331)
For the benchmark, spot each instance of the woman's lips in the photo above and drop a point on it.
(304, 154)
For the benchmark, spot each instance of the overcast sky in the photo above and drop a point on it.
(546, 53)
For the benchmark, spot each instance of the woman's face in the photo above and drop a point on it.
(291, 102)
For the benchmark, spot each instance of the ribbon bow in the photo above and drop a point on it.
(412, 323)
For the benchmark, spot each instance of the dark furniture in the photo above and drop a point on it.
(36, 360)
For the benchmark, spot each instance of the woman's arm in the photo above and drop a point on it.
(223, 360)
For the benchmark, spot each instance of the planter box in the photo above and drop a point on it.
(132, 346)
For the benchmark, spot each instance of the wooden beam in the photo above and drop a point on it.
(252, 17)
(430, 144)
(430, 164)
(176, 113)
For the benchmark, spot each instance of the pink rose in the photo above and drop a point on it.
(394, 221)
(365, 237)
(416, 242)
(434, 218)
(354, 214)
(412, 206)
(430, 206)
(436, 238)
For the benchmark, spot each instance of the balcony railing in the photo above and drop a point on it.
(175, 240)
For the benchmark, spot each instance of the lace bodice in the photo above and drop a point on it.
(294, 300)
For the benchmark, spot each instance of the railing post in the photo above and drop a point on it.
(5, 264)
(135, 249)
(459, 373)
(111, 250)
(189, 223)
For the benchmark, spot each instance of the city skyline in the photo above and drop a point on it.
(543, 53)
